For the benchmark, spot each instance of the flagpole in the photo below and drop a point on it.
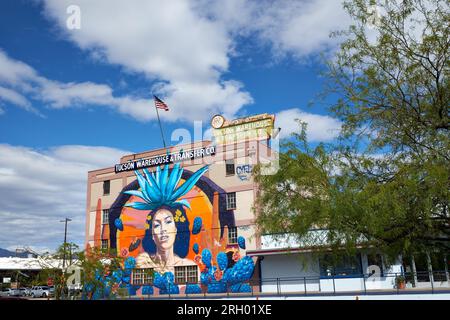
(160, 127)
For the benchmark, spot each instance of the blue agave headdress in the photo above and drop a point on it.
(158, 189)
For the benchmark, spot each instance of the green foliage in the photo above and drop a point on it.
(399, 280)
(385, 184)
(68, 251)
(43, 276)
(394, 90)
(92, 262)
(96, 261)
(319, 190)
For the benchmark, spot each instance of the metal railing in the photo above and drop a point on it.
(356, 284)
(387, 283)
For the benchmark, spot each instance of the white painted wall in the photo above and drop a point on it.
(375, 282)
(292, 269)
(290, 266)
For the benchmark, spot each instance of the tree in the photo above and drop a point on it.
(100, 273)
(52, 268)
(394, 90)
(385, 184)
(68, 250)
(106, 275)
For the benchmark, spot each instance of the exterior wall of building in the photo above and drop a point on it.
(296, 268)
(293, 272)
(290, 270)
(244, 189)
(207, 200)
(287, 273)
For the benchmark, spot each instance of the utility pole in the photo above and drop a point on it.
(64, 250)
(65, 240)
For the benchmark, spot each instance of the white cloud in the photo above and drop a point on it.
(20, 80)
(299, 28)
(303, 27)
(184, 46)
(62, 95)
(206, 99)
(16, 98)
(41, 187)
(320, 128)
(169, 42)
(13, 71)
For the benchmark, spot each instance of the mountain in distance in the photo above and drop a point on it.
(6, 253)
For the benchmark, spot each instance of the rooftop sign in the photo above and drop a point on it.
(259, 127)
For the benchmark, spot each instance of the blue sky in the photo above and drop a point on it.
(72, 100)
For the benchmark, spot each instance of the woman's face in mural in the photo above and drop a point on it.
(163, 229)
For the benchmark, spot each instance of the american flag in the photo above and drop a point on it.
(160, 104)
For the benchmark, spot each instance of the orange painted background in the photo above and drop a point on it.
(134, 224)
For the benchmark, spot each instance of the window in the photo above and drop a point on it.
(186, 274)
(347, 266)
(105, 218)
(231, 200)
(143, 276)
(106, 187)
(232, 235)
(105, 244)
(229, 167)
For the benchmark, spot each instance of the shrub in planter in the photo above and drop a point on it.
(400, 282)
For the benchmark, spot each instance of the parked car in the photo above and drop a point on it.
(6, 292)
(28, 291)
(18, 292)
(41, 291)
(11, 294)
(75, 289)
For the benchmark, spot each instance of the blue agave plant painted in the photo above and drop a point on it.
(160, 189)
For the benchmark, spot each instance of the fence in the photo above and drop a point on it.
(364, 284)
(388, 283)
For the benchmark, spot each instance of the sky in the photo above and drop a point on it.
(76, 97)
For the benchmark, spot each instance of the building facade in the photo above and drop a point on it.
(184, 220)
(183, 215)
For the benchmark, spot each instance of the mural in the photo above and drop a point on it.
(107, 283)
(244, 172)
(172, 218)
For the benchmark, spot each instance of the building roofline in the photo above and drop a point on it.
(267, 252)
(149, 153)
(159, 151)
